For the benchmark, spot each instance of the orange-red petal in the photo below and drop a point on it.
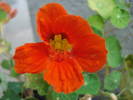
(74, 28)
(88, 48)
(6, 7)
(46, 16)
(65, 76)
(91, 53)
(31, 58)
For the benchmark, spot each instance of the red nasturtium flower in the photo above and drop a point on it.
(7, 8)
(69, 48)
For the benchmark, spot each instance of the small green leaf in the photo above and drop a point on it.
(36, 81)
(120, 18)
(104, 8)
(61, 96)
(7, 64)
(15, 86)
(112, 81)
(91, 85)
(3, 15)
(97, 22)
(114, 58)
(98, 32)
(14, 73)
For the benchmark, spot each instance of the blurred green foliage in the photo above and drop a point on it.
(4, 46)
(112, 81)
(13, 92)
(36, 81)
(3, 15)
(120, 18)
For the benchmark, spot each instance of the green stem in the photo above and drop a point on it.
(107, 70)
(128, 74)
(111, 95)
(1, 30)
(122, 91)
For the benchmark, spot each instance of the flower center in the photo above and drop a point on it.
(60, 44)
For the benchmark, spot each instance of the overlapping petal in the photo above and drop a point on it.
(74, 28)
(31, 58)
(65, 76)
(46, 16)
(87, 46)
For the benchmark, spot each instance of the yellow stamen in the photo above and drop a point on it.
(60, 44)
(65, 45)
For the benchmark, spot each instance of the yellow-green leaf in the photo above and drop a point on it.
(104, 8)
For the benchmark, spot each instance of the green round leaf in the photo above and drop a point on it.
(112, 81)
(97, 22)
(104, 8)
(3, 15)
(114, 58)
(91, 85)
(120, 18)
